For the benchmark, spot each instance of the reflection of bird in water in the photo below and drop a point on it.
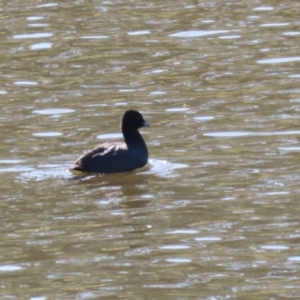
(127, 190)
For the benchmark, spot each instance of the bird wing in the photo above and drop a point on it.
(105, 158)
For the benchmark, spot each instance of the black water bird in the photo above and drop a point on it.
(118, 157)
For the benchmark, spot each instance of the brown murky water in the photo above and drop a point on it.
(215, 214)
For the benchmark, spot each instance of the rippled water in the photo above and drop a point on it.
(214, 215)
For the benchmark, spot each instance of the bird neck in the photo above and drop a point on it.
(134, 139)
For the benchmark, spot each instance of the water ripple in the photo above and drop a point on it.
(197, 33)
(32, 35)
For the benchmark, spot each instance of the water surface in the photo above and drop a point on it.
(215, 213)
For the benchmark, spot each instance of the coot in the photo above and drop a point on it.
(118, 157)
